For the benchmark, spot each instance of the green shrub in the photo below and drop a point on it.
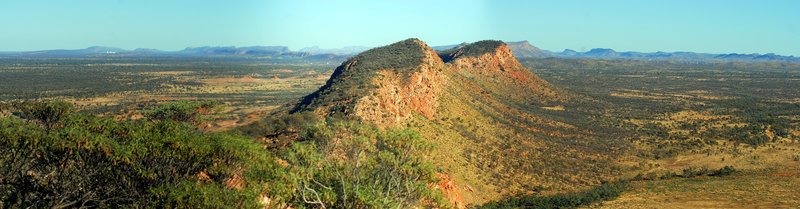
(182, 111)
(48, 113)
(361, 167)
(605, 191)
(282, 130)
(724, 171)
(669, 175)
(89, 161)
(692, 172)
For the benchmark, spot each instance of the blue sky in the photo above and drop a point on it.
(716, 26)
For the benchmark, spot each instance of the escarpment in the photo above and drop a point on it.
(477, 105)
(498, 69)
(389, 84)
(385, 85)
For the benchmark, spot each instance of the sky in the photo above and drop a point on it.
(713, 26)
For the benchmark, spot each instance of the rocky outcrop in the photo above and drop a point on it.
(388, 85)
(499, 71)
(475, 103)
(499, 61)
(397, 97)
(450, 190)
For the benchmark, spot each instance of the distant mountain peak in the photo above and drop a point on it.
(525, 49)
(601, 50)
(103, 49)
(347, 50)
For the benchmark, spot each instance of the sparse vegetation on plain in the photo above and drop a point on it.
(125, 138)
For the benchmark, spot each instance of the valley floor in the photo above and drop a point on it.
(768, 177)
(747, 189)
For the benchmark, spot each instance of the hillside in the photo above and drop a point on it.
(400, 126)
(477, 105)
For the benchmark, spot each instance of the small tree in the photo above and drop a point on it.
(48, 113)
(181, 111)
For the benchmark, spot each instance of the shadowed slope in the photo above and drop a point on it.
(481, 109)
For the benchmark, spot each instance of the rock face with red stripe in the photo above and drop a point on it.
(482, 111)
(387, 85)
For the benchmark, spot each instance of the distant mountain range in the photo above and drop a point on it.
(274, 52)
(521, 49)
(351, 50)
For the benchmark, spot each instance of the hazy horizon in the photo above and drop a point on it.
(706, 27)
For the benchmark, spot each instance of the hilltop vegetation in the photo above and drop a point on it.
(677, 108)
(393, 127)
(471, 50)
(353, 78)
(54, 157)
(456, 101)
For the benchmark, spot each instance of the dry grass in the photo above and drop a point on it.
(673, 121)
(778, 155)
(555, 108)
(748, 189)
(162, 73)
(689, 95)
(245, 99)
(768, 178)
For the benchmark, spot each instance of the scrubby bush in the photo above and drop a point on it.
(281, 130)
(165, 162)
(669, 175)
(605, 191)
(345, 164)
(48, 113)
(692, 172)
(689, 172)
(182, 111)
(724, 171)
(89, 161)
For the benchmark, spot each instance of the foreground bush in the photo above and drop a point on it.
(181, 111)
(78, 160)
(345, 164)
(689, 172)
(51, 157)
(606, 191)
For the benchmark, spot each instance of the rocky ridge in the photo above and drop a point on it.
(390, 92)
(476, 104)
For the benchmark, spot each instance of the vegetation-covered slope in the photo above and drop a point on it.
(478, 105)
(403, 126)
(496, 108)
(353, 78)
(51, 157)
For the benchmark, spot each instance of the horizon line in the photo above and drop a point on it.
(296, 50)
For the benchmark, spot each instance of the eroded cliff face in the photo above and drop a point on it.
(390, 95)
(397, 97)
(476, 104)
(499, 70)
